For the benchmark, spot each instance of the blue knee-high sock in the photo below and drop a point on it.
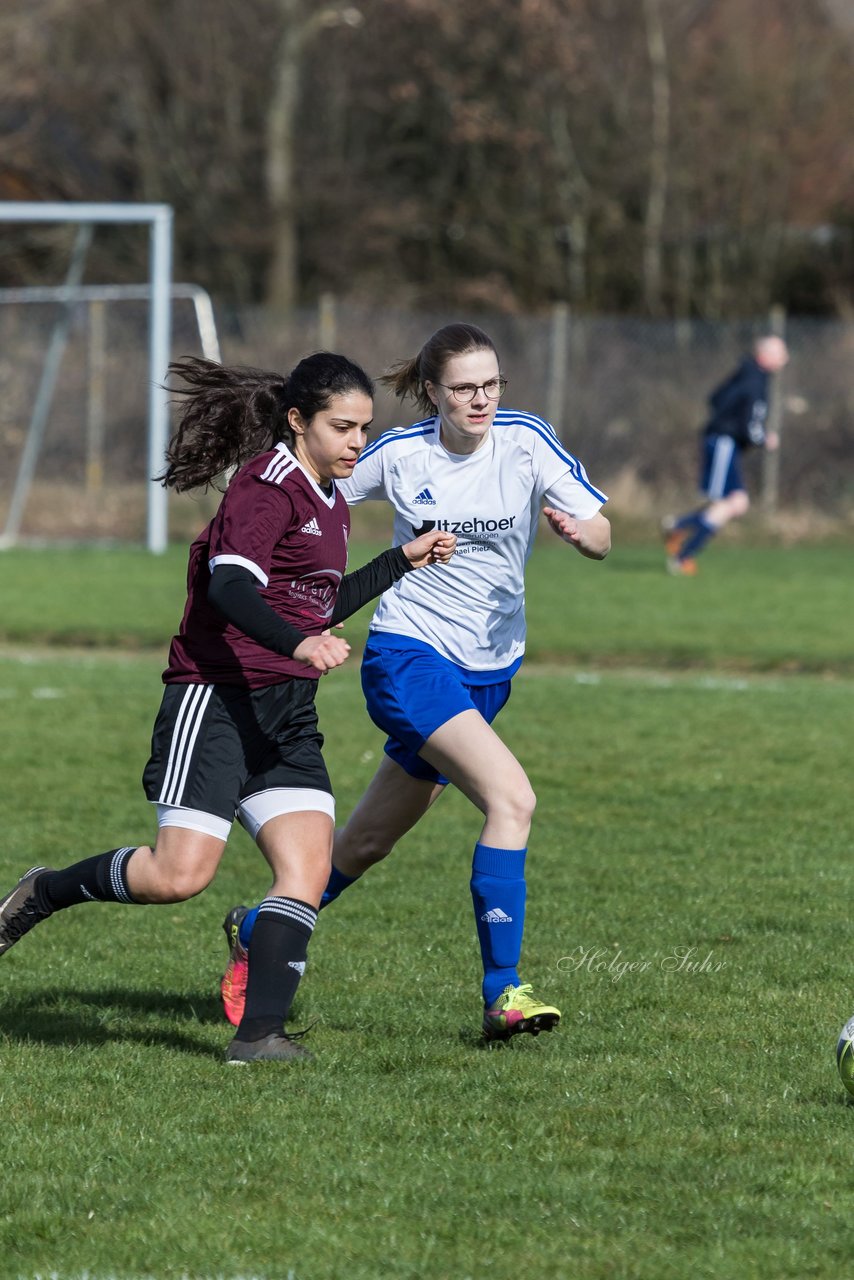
(498, 894)
(336, 885)
(691, 520)
(694, 545)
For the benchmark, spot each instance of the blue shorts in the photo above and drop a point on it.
(412, 691)
(721, 474)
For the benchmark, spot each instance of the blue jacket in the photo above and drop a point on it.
(740, 405)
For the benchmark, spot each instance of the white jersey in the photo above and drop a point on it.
(472, 610)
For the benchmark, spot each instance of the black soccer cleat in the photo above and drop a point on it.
(20, 910)
(273, 1048)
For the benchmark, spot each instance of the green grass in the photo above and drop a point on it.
(688, 911)
(758, 608)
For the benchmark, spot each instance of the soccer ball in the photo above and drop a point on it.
(845, 1055)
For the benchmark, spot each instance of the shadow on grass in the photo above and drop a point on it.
(73, 1017)
(472, 1038)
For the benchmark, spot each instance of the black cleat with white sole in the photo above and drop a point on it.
(20, 910)
(272, 1048)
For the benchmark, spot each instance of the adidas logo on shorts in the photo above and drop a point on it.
(497, 916)
(312, 527)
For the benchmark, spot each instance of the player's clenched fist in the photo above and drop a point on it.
(431, 548)
(322, 652)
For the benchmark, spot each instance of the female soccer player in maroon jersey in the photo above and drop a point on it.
(236, 734)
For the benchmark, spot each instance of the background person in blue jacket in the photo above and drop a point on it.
(739, 410)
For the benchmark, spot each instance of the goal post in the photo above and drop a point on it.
(159, 219)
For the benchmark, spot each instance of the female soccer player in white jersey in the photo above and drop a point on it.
(236, 735)
(444, 646)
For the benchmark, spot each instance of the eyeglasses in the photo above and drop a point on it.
(464, 392)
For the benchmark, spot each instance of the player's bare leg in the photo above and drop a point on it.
(707, 523)
(732, 507)
(392, 804)
(471, 754)
(182, 863)
(298, 848)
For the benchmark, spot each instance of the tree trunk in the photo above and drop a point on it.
(658, 157)
(574, 196)
(301, 22)
(282, 280)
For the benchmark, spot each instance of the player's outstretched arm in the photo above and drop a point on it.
(384, 570)
(592, 538)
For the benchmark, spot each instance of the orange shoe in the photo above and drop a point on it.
(232, 988)
(673, 537)
(686, 568)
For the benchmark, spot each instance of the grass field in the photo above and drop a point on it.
(689, 907)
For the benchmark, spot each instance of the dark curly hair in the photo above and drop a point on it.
(230, 414)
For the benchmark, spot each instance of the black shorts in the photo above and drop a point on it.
(214, 745)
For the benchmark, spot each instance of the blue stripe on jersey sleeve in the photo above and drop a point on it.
(526, 419)
(547, 433)
(423, 428)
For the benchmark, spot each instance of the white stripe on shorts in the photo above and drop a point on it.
(255, 810)
(187, 725)
(721, 458)
(193, 820)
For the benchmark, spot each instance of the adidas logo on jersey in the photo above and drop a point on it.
(497, 916)
(424, 499)
(312, 527)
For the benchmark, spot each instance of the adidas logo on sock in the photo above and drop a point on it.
(299, 965)
(424, 499)
(497, 916)
(312, 527)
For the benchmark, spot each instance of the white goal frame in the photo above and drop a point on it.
(159, 219)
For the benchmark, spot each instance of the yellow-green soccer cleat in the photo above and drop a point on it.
(516, 1010)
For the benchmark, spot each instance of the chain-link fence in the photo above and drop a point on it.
(628, 396)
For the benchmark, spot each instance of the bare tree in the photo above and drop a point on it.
(302, 23)
(659, 148)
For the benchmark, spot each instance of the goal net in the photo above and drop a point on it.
(84, 411)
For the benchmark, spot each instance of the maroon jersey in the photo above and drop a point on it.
(278, 523)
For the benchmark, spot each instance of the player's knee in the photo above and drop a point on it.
(178, 886)
(178, 883)
(515, 804)
(363, 845)
(739, 503)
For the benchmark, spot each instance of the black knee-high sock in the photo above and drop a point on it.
(280, 939)
(99, 879)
